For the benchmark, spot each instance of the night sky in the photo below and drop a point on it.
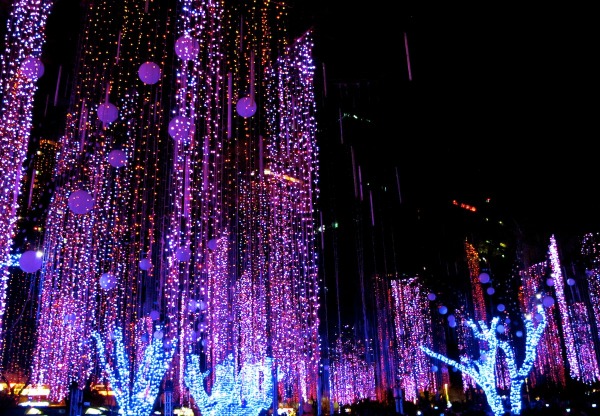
(502, 101)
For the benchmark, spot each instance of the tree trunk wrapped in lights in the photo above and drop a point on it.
(243, 393)
(135, 399)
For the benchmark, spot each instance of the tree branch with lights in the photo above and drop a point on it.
(483, 368)
(137, 399)
(243, 393)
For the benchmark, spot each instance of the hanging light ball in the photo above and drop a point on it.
(183, 254)
(117, 158)
(484, 277)
(443, 310)
(246, 107)
(31, 261)
(431, 296)
(108, 281)
(187, 48)
(149, 73)
(32, 68)
(107, 112)
(145, 264)
(548, 301)
(570, 281)
(154, 315)
(212, 244)
(80, 202)
(179, 128)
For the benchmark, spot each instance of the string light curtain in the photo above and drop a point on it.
(187, 179)
(102, 219)
(579, 368)
(550, 365)
(413, 328)
(21, 67)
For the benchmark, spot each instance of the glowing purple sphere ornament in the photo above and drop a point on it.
(117, 158)
(442, 310)
(179, 128)
(154, 315)
(490, 291)
(31, 261)
(570, 281)
(484, 277)
(149, 73)
(80, 202)
(108, 281)
(32, 68)
(547, 301)
(246, 107)
(212, 244)
(431, 296)
(187, 48)
(183, 254)
(107, 112)
(145, 264)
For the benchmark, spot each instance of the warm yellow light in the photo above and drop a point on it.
(35, 391)
(184, 411)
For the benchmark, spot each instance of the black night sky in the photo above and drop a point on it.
(501, 101)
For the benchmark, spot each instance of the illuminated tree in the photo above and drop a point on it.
(483, 368)
(243, 393)
(136, 399)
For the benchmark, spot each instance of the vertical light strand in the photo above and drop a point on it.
(21, 67)
(549, 362)
(563, 309)
(413, 328)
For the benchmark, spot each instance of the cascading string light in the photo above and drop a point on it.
(412, 318)
(566, 324)
(107, 239)
(479, 305)
(21, 66)
(549, 364)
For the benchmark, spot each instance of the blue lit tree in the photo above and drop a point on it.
(243, 393)
(483, 368)
(135, 399)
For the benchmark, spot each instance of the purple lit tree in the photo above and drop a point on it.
(483, 368)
